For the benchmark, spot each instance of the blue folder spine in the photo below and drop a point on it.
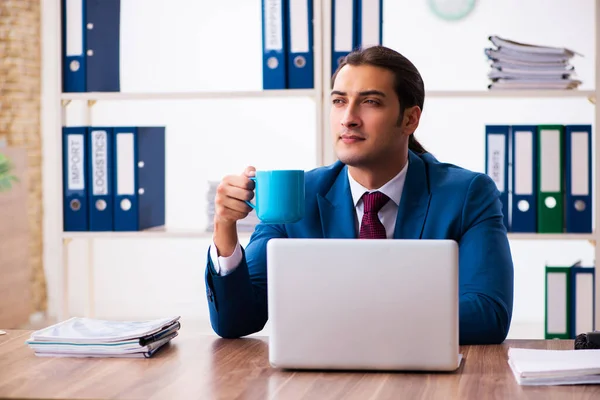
(496, 164)
(300, 63)
(100, 178)
(75, 186)
(524, 170)
(139, 177)
(73, 27)
(575, 306)
(343, 16)
(274, 27)
(578, 178)
(103, 45)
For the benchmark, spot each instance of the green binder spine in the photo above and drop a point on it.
(550, 178)
(557, 303)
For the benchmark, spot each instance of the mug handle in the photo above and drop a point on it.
(252, 178)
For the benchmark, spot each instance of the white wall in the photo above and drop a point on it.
(191, 45)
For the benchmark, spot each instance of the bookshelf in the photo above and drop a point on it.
(499, 94)
(158, 233)
(56, 103)
(99, 96)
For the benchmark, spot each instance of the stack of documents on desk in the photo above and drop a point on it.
(517, 65)
(554, 367)
(245, 225)
(85, 337)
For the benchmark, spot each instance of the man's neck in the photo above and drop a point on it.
(374, 177)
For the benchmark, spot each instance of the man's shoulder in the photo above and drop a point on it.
(448, 176)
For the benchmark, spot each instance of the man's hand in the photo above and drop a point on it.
(230, 207)
(231, 194)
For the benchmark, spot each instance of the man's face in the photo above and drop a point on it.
(365, 115)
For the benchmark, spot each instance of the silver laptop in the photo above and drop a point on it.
(363, 304)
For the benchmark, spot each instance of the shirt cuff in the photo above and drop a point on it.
(225, 265)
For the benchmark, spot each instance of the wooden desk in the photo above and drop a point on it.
(207, 367)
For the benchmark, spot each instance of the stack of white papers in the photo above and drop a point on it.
(517, 65)
(554, 367)
(85, 337)
(245, 225)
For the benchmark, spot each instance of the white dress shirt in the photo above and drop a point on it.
(387, 215)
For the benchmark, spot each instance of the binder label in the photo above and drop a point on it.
(74, 27)
(557, 302)
(75, 168)
(523, 163)
(299, 26)
(584, 302)
(342, 37)
(579, 164)
(550, 161)
(99, 163)
(495, 159)
(370, 23)
(125, 164)
(273, 25)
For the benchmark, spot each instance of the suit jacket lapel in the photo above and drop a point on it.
(414, 203)
(337, 210)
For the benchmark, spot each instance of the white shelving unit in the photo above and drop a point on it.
(503, 94)
(65, 99)
(99, 96)
(325, 154)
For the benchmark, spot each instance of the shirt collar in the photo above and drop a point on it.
(392, 189)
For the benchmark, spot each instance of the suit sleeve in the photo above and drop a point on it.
(237, 302)
(486, 267)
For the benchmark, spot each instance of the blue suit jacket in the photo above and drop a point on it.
(439, 201)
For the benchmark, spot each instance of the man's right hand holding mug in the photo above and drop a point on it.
(231, 206)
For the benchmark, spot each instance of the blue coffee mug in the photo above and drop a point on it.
(279, 196)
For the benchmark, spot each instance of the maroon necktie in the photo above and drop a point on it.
(371, 227)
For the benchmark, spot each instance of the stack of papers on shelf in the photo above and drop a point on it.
(85, 337)
(554, 367)
(517, 65)
(245, 225)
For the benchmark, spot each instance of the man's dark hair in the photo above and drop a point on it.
(408, 83)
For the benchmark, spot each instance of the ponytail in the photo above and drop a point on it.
(415, 146)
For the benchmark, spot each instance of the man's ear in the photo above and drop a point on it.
(410, 120)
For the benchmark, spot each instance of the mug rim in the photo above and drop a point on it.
(279, 170)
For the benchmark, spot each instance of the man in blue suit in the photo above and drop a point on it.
(385, 185)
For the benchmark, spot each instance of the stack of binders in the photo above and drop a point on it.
(569, 301)
(517, 65)
(287, 43)
(245, 225)
(86, 337)
(544, 176)
(288, 30)
(355, 24)
(90, 45)
(113, 178)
